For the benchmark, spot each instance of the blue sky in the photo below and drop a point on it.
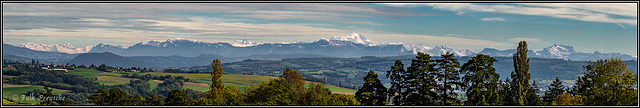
(588, 27)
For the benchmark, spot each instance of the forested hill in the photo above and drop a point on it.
(350, 71)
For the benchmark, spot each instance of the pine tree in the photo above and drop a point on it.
(372, 91)
(482, 81)
(554, 90)
(420, 83)
(506, 92)
(448, 75)
(521, 76)
(532, 96)
(396, 75)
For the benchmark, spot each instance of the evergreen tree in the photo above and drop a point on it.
(506, 92)
(420, 83)
(521, 76)
(532, 96)
(448, 75)
(396, 74)
(372, 91)
(554, 90)
(482, 81)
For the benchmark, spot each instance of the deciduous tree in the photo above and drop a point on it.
(521, 76)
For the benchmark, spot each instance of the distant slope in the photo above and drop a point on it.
(109, 59)
(28, 53)
(282, 56)
(179, 61)
(204, 59)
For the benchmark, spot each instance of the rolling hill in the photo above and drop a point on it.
(109, 59)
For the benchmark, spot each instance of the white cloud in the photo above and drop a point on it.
(494, 19)
(591, 12)
(623, 9)
(341, 13)
(518, 39)
(431, 40)
(227, 32)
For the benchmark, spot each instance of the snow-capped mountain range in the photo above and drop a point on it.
(63, 48)
(560, 51)
(353, 37)
(349, 45)
(244, 43)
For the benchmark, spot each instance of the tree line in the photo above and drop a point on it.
(287, 90)
(434, 82)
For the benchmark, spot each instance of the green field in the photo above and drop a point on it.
(241, 81)
(202, 89)
(226, 78)
(153, 84)
(336, 89)
(10, 92)
(114, 79)
(85, 72)
(110, 82)
(106, 78)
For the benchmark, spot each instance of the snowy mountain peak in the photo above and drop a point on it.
(466, 52)
(442, 47)
(353, 37)
(63, 48)
(557, 50)
(181, 39)
(243, 43)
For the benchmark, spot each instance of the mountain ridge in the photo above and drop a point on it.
(349, 45)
